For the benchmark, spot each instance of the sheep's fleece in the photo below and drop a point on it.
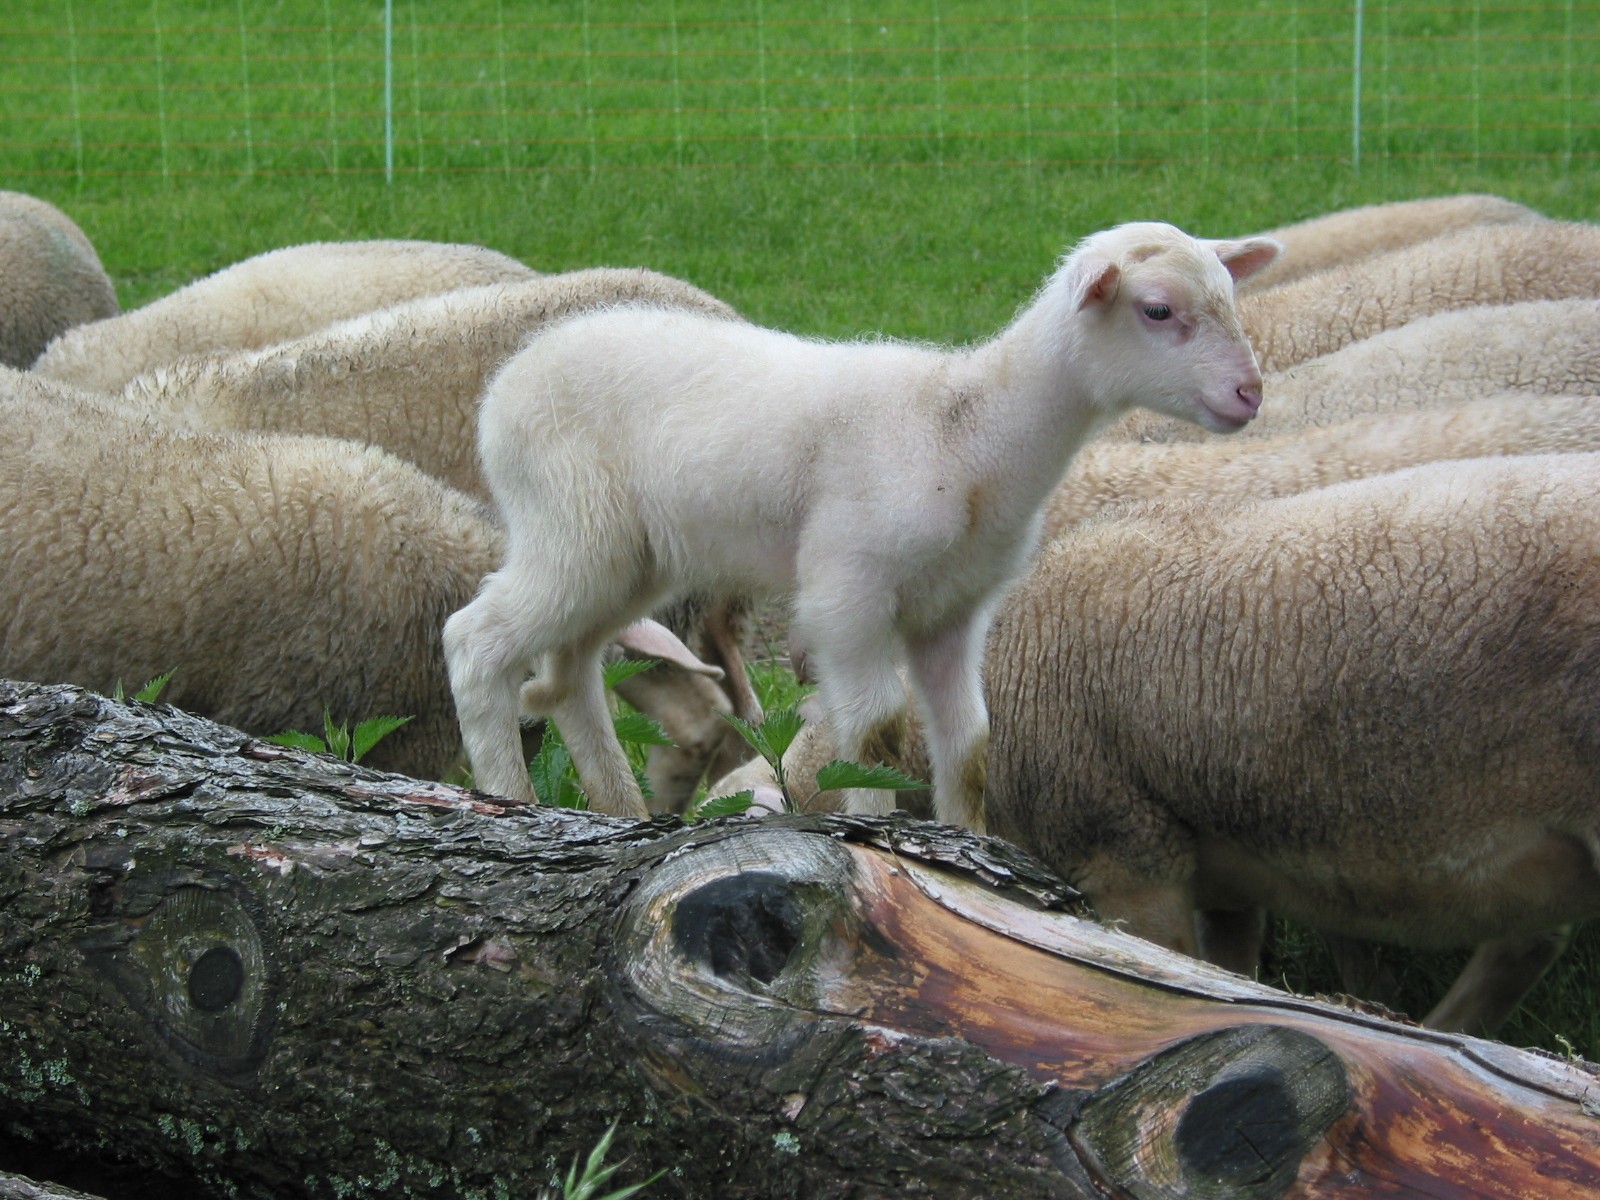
(50, 278)
(269, 298)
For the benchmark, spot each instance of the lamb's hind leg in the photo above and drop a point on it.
(491, 645)
(947, 668)
(489, 653)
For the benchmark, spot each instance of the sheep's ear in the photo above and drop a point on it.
(1094, 281)
(1245, 256)
(651, 639)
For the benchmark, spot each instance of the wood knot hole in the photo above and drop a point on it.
(746, 926)
(1242, 1130)
(216, 979)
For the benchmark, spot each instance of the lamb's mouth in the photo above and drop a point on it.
(1235, 417)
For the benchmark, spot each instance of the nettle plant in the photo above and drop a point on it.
(149, 693)
(772, 738)
(340, 740)
(555, 778)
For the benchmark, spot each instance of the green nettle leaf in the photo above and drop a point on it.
(721, 806)
(370, 732)
(780, 728)
(614, 673)
(773, 737)
(751, 734)
(595, 1176)
(152, 690)
(336, 736)
(555, 780)
(640, 730)
(299, 741)
(841, 774)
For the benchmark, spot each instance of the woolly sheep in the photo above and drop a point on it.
(636, 453)
(1550, 347)
(269, 298)
(1109, 473)
(276, 574)
(407, 378)
(1493, 264)
(50, 278)
(1334, 239)
(1371, 708)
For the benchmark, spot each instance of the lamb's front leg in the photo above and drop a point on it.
(947, 669)
(853, 648)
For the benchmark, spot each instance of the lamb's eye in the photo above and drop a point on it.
(1157, 312)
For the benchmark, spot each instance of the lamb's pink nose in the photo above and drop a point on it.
(1250, 393)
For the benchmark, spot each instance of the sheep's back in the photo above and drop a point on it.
(270, 298)
(1497, 264)
(1333, 239)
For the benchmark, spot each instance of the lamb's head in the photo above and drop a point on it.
(1160, 327)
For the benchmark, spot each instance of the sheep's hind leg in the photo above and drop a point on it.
(1232, 938)
(488, 656)
(1494, 981)
(947, 668)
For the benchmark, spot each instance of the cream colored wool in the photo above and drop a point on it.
(1106, 474)
(273, 574)
(407, 377)
(1372, 708)
(1491, 264)
(1337, 238)
(270, 298)
(50, 278)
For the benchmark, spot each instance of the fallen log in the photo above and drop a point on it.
(20, 1187)
(246, 971)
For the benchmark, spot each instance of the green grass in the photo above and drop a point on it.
(836, 168)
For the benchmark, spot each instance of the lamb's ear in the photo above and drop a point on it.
(1093, 280)
(1245, 256)
(651, 639)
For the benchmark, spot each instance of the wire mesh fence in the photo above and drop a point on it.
(178, 88)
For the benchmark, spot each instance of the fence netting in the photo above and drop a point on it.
(426, 86)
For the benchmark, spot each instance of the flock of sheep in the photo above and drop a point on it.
(1343, 664)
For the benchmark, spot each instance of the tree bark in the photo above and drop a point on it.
(245, 971)
(20, 1187)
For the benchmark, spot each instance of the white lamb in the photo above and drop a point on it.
(268, 298)
(637, 453)
(408, 378)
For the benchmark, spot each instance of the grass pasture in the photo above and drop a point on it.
(829, 166)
